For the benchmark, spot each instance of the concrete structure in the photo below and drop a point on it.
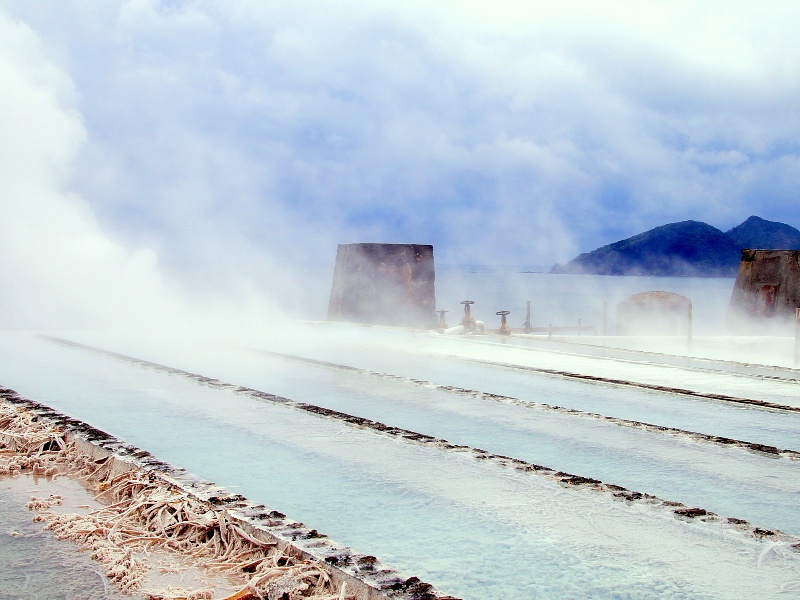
(767, 290)
(387, 284)
(654, 313)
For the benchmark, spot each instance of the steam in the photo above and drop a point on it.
(55, 263)
(59, 266)
(175, 158)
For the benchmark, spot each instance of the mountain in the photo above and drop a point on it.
(759, 234)
(688, 248)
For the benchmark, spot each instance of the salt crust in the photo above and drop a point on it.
(142, 529)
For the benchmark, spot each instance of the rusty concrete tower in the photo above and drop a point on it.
(767, 289)
(387, 284)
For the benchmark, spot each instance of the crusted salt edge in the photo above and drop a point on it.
(363, 576)
(679, 509)
(638, 384)
(755, 369)
(673, 431)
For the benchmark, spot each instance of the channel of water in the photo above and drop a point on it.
(442, 362)
(471, 529)
(732, 482)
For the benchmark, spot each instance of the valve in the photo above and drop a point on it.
(504, 328)
(468, 322)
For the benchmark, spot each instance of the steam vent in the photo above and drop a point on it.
(767, 286)
(386, 284)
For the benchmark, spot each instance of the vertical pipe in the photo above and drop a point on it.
(527, 325)
(796, 335)
(550, 330)
(580, 329)
(689, 334)
(605, 318)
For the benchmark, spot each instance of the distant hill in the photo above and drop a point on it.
(688, 248)
(759, 234)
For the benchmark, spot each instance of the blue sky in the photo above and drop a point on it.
(231, 144)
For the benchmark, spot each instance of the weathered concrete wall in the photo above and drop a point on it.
(767, 289)
(387, 284)
(654, 313)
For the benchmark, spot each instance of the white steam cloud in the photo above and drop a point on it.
(56, 265)
(165, 154)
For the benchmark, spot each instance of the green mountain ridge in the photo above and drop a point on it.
(684, 249)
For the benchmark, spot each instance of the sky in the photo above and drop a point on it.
(158, 155)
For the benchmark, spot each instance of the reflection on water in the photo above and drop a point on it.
(33, 564)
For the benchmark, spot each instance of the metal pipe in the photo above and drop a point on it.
(442, 322)
(527, 324)
(796, 335)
